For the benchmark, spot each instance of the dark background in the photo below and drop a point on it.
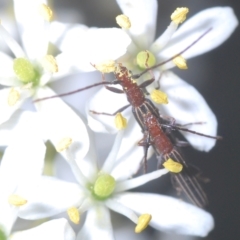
(216, 76)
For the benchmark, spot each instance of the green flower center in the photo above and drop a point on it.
(104, 186)
(25, 71)
(2, 235)
(145, 59)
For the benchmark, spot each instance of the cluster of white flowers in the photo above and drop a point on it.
(24, 191)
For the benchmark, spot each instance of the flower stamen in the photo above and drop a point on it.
(143, 222)
(74, 215)
(123, 21)
(64, 144)
(46, 12)
(120, 121)
(13, 97)
(180, 62)
(106, 67)
(173, 166)
(179, 15)
(49, 63)
(159, 97)
(17, 200)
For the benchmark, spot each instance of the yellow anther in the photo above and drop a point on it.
(143, 222)
(74, 215)
(106, 67)
(179, 15)
(13, 97)
(49, 63)
(123, 21)
(63, 144)
(120, 121)
(180, 62)
(173, 166)
(159, 97)
(17, 200)
(46, 12)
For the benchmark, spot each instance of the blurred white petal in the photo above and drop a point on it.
(223, 22)
(48, 197)
(83, 49)
(23, 160)
(55, 229)
(97, 225)
(186, 105)
(18, 121)
(32, 26)
(100, 103)
(169, 214)
(143, 16)
(60, 121)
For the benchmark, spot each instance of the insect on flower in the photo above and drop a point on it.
(155, 128)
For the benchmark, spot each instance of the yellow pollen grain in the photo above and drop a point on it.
(123, 21)
(143, 222)
(173, 166)
(13, 97)
(159, 97)
(180, 62)
(46, 12)
(17, 200)
(106, 67)
(74, 215)
(63, 144)
(49, 63)
(179, 15)
(120, 121)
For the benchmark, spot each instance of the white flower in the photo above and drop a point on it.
(28, 75)
(99, 190)
(185, 103)
(21, 164)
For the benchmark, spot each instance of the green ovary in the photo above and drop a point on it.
(25, 71)
(104, 186)
(145, 59)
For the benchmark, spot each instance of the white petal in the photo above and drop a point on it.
(143, 15)
(186, 105)
(89, 164)
(97, 225)
(7, 76)
(20, 121)
(32, 27)
(22, 162)
(5, 109)
(223, 22)
(130, 155)
(100, 102)
(93, 45)
(169, 214)
(11, 43)
(62, 34)
(49, 196)
(60, 121)
(55, 229)
(8, 216)
(65, 66)
(138, 181)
